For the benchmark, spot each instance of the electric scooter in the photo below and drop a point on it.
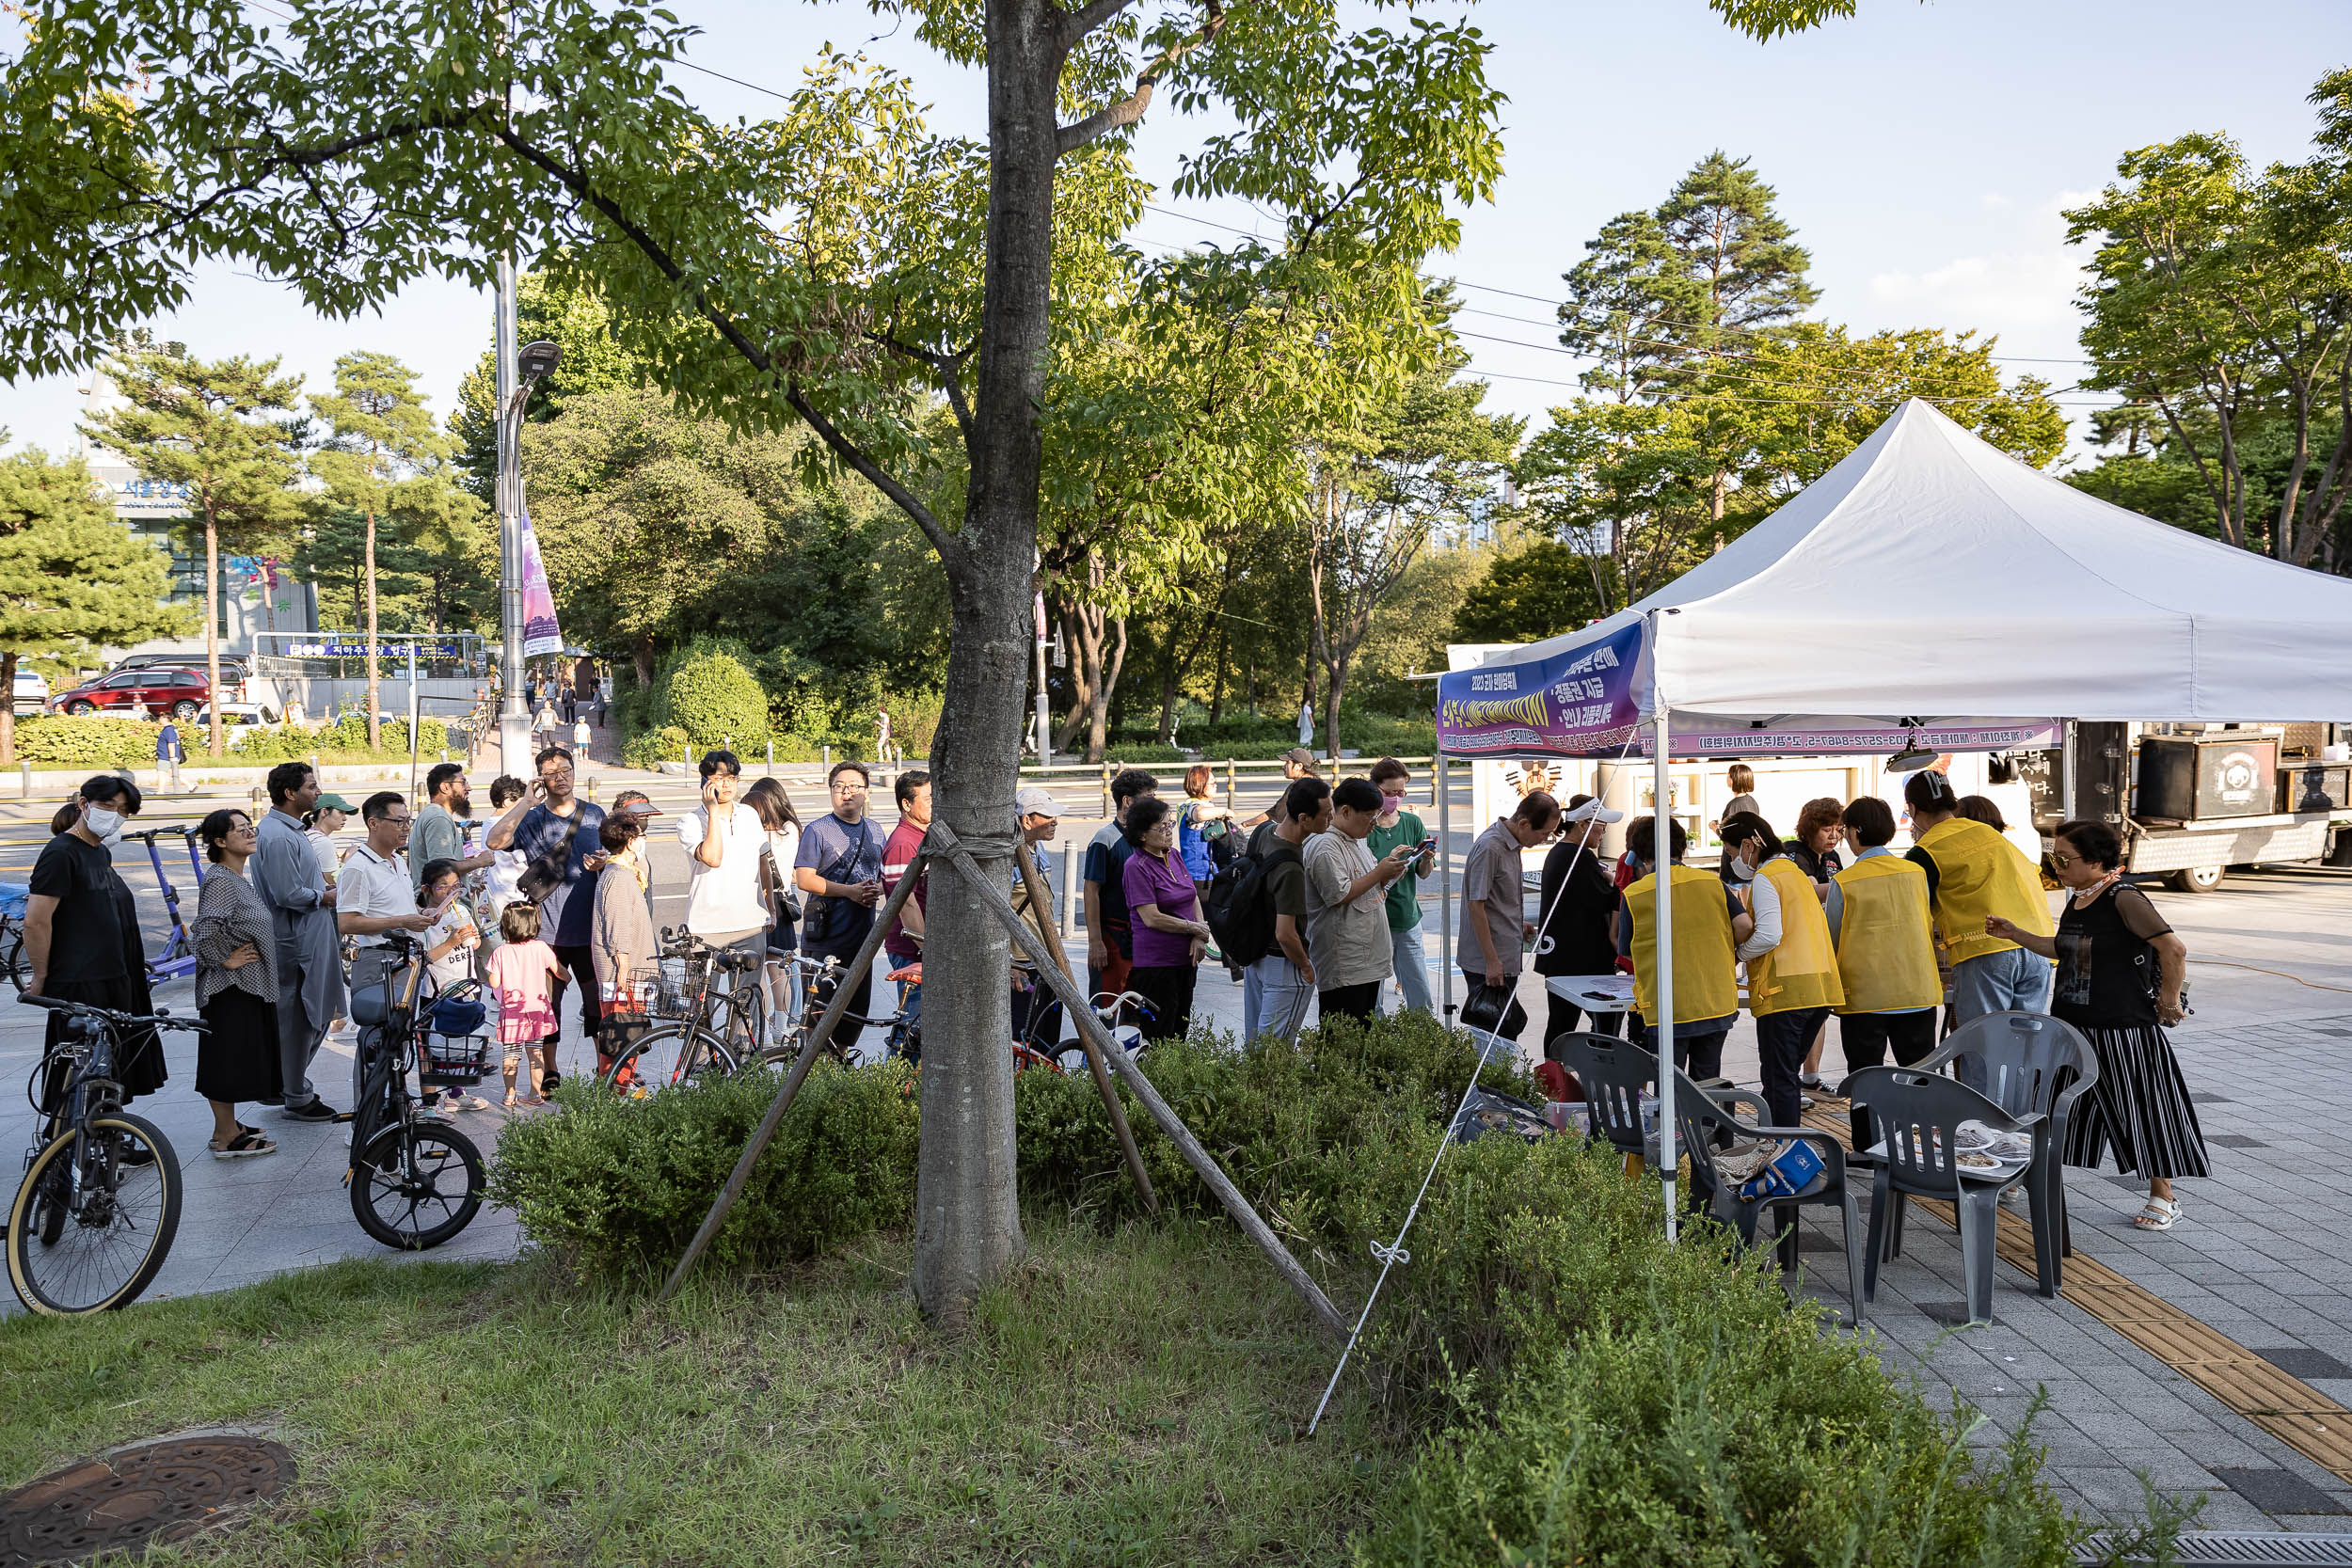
(178, 958)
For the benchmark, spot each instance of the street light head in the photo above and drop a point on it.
(538, 359)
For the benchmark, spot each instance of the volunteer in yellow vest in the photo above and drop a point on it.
(1974, 875)
(1879, 918)
(1708, 924)
(1792, 968)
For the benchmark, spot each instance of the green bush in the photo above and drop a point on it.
(253, 743)
(709, 693)
(624, 1184)
(91, 740)
(649, 749)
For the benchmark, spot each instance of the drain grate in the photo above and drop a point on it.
(2270, 1548)
(154, 1491)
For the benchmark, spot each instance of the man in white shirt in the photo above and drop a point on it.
(374, 896)
(722, 838)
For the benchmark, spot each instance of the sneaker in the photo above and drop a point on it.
(318, 1110)
(1809, 1079)
(442, 1112)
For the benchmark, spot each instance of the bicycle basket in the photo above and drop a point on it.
(667, 991)
(450, 1059)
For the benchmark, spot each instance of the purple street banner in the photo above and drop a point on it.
(1577, 701)
(540, 632)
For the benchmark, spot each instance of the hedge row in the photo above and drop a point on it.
(1588, 1393)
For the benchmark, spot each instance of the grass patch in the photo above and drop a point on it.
(1134, 1396)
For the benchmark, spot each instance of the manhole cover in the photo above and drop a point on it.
(156, 1491)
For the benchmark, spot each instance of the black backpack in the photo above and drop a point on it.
(1240, 908)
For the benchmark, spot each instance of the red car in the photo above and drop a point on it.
(138, 693)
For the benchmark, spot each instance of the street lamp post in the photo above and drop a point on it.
(516, 374)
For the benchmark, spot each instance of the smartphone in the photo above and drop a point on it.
(1427, 844)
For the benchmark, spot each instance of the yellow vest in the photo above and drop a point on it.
(1801, 972)
(1885, 953)
(1980, 873)
(1705, 986)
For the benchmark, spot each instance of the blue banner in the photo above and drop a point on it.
(1579, 701)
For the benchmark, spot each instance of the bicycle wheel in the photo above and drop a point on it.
(12, 959)
(414, 1186)
(665, 1058)
(90, 1229)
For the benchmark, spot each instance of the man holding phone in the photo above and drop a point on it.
(558, 832)
(1395, 827)
(839, 867)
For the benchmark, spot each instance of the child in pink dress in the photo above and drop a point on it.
(519, 975)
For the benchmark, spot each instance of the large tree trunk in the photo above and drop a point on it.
(1337, 669)
(211, 630)
(376, 704)
(967, 1223)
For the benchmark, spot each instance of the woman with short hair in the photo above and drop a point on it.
(236, 987)
(2120, 973)
(1169, 934)
(621, 943)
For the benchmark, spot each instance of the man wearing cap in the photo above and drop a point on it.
(1035, 1016)
(1575, 934)
(436, 834)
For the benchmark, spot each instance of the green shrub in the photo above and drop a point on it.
(711, 695)
(91, 740)
(649, 749)
(252, 743)
(624, 1184)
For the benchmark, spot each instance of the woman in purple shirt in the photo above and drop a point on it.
(1166, 909)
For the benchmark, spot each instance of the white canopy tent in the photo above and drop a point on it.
(1930, 579)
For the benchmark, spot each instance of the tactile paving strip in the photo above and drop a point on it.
(2285, 1406)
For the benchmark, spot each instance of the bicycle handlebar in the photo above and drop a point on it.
(84, 1009)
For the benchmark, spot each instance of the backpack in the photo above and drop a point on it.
(1241, 909)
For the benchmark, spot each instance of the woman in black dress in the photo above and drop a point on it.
(236, 987)
(2118, 981)
(82, 928)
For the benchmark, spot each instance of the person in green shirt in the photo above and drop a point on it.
(1392, 827)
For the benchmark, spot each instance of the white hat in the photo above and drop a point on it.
(1035, 802)
(1591, 811)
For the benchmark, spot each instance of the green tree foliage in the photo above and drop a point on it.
(73, 581)
(226, 430)
(382, 459)
(1541, 591)
(2220, 304)
(569, 314)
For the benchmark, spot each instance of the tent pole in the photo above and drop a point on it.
(1445, 889)
(1663, 862)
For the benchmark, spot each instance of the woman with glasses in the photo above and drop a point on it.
(839, 868)
(236, 987)
(2120, 973)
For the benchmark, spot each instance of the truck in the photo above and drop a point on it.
(2194, 801)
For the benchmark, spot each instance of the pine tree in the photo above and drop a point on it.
(226, 430)
(71, 579)
(381, 440)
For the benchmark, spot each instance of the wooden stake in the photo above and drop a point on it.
(808, 1058)
(1095, 1064)
(943, 840)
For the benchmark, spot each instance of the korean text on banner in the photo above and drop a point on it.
(540, 633)
(1579, 701)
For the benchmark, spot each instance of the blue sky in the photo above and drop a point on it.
(1921, 151)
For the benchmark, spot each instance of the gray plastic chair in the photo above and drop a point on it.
(1915, 1120)
(1705, 1123)
(1615, 1074)
(2028, 1062)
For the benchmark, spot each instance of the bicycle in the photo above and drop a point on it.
(98, 1208)
(15, 899)
(693, 1029)
(415, 1180)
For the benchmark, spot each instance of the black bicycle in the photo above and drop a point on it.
(415, 1180)
(100, 1203)
(692, 1028)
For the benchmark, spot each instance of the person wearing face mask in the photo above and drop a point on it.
(1396, 828)
(1792, 966)
(82, 927)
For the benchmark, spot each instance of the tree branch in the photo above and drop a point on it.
(1078, 24)
(950, 547)
(1130, 109)
(947, 367)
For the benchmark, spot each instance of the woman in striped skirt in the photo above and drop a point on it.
(2118, 981)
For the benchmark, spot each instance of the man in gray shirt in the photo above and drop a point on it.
(302, 909)
(438, 834)
(1495, 926)
(1348, 910)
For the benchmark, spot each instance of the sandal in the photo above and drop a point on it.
(248, 1141)
(2162, 1213)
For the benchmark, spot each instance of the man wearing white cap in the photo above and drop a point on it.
(1035, 1016)
(1575, 933)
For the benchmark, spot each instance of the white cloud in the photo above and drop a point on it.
(2002, 291)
